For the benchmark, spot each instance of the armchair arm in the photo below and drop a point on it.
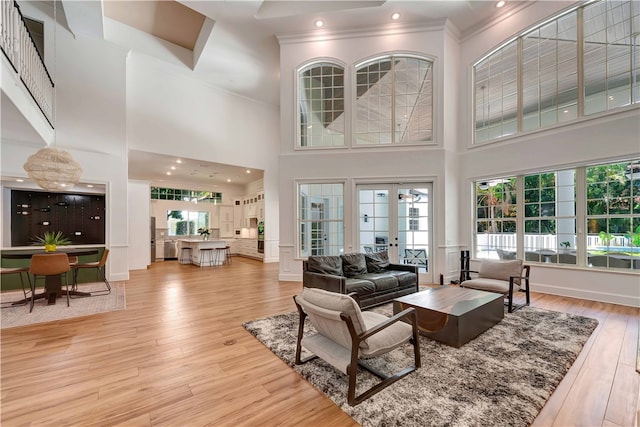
(328, 282)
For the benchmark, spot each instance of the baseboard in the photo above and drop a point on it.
(611, 298)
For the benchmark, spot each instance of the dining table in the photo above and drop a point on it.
(53, 283)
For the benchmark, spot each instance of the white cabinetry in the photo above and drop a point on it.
(237, 214)
(248, 248)
(227, 225)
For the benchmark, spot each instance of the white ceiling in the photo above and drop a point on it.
(205, 175)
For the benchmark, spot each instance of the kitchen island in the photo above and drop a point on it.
(214, 253)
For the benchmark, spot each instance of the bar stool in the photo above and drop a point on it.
(185, 255)
(207, 253)
(227, 254)
(18, 270)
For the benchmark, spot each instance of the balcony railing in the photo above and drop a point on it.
(19, 48)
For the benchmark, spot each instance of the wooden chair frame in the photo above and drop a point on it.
(352, 370)
(524, 278)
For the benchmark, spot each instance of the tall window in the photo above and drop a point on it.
(321, 103)
(496, 212)
(533, 82)
(596, 227)
(613, 214)
(496, 94)
(550, 217)
(186, 223)
(550, 74)
(611, 55)
(320, 219)
(394, 101)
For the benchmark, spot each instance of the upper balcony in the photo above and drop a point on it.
(27, 87)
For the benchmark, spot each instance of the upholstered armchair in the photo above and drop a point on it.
(504, 276)
(345, 336)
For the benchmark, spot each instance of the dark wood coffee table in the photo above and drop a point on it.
(453, 315)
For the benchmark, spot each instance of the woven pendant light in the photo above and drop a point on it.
(53, 169)
(50, 167)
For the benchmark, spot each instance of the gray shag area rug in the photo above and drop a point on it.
(501, 378)
(12, 316)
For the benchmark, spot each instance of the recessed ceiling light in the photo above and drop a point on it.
(500, 3)
(168, 173)
(248, 171)
(228, 179)
(319, 23)
(20, 180)
(90, 185)
(178, 161)
(395, 16)
(173, 168)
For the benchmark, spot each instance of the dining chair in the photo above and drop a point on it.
(48, 265)
(19, 271)
(100, 266)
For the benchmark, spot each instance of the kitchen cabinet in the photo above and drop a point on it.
(226, 223)
(249, 248)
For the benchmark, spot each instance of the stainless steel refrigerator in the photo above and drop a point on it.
(153, 239)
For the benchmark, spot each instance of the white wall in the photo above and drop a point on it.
(170, 112)
(595, 139)
(139, 230)
(363, 165)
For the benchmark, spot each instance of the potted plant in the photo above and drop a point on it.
(51, 239)
(565, 246)
(204, 232)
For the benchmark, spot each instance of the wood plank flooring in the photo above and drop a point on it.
(179, 356)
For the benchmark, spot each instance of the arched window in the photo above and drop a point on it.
(394, 101)
(321, 103)
(581, 62)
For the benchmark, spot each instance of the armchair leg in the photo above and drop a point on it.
(510, 307)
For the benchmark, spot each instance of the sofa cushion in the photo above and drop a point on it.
(405, 278)
(353, 264)
(377, 262)
(383, 281)
(500, 270)
(359, 286)
(325, 265)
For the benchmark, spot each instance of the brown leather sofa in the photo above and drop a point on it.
(371, 276)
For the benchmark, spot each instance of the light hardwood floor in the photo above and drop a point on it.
(179, 356)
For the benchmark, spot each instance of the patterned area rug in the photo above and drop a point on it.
(502, 378)
(12, 316)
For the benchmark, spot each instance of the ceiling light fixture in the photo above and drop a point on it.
(168, 173)
(228, 179)
(500, 3)
(248, 171)
(395, 16)
(50, 167)
(178, 161)
(319, 23)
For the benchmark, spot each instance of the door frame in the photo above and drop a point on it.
(427, 277)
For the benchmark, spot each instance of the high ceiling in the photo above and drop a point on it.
(234, 46)
(239, 45)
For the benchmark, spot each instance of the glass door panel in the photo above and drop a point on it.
(396, 218)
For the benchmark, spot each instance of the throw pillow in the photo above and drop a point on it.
(377, 262)
(325, 264)
(353, 264)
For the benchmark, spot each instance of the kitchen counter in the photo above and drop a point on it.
(196, 245)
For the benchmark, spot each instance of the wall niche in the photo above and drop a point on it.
(80, 217)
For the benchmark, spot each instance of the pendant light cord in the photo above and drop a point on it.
(55, 75)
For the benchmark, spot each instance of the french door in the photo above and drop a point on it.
(396, 218)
